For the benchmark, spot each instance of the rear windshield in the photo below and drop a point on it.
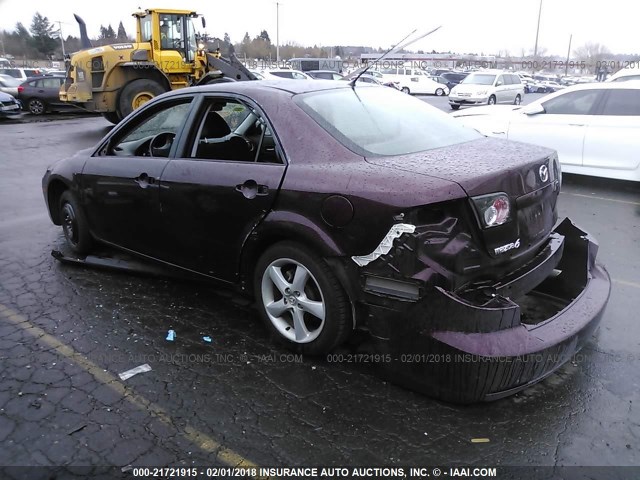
(479, 79)
(382, 121)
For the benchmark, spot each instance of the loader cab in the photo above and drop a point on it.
(172, 37)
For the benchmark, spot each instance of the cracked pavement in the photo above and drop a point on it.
(66, 333)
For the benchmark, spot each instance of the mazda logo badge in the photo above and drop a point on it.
(544, 173)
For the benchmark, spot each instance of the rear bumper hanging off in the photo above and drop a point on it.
(532, 322)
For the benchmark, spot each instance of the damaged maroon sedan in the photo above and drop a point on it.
(341, 208)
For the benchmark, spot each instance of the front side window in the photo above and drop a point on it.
(382, 121)
(171, 32)
(153, 136)
(572, 103)
(622, 102)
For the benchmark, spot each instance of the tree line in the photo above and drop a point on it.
(42, 40)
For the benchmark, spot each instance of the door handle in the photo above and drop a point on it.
(576, 124)
(250, 189)
(144, 180)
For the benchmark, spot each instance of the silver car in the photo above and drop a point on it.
(487, 87)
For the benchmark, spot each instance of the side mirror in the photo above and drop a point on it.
(533, 109)
(204, 22)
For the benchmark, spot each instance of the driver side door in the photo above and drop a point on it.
(120, 183)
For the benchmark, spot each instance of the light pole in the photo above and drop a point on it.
(61, 37)
(566, 65)
(278, 33)
(535, 48)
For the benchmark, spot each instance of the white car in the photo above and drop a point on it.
(413, 81)
(631, 72)
(487, 87)
(285, 73)
(594, 127)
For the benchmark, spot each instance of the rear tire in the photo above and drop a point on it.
(300, 300)
(439, 92)
(112, 117)
(492, 100)
(136, 93)
(74, 224)
(37, 106)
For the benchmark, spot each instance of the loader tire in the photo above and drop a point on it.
(112, 117)
(136, 93)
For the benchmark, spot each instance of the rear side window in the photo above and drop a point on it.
(282, 74)
(627, 78)
(622, 102)
(572, 103)
(31, 73)
(515, 79)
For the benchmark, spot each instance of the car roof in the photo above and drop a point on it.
(250, 87)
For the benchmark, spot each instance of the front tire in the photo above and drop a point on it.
(454, 107)
(405, 90)
(136, 93)
(37, 106)
(300, 300)
(74, 224)
(492, 100)
(517, 100)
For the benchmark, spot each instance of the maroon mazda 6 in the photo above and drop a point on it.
(341, 208)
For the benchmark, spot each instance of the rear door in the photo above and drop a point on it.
(612, 137)
(225, 181)
(562, 126)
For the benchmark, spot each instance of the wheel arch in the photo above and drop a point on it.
(55, 189)
(125, 74)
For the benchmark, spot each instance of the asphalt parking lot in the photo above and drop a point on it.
(66, 333)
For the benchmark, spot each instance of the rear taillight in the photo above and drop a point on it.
(493, 209)
(20, 89)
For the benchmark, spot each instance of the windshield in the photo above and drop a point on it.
(382, 121)
(479, 79)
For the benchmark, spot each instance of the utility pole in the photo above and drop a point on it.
(61, 37)
(566, 65)
(535, 48)
(278, 34)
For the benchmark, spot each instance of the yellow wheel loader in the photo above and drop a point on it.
(116, 79)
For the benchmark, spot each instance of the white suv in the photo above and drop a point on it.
(490, 87)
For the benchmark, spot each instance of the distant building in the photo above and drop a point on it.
(431, 60)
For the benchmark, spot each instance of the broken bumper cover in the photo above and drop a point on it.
(464, 352)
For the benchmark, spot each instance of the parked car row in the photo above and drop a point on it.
(37, 94)
(595, 127)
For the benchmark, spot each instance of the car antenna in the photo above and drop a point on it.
(399, 46)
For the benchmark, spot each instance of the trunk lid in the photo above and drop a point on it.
(526, 173)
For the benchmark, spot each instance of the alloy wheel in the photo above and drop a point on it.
(293, 300)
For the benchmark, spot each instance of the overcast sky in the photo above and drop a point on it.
(486, 26)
